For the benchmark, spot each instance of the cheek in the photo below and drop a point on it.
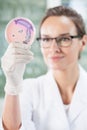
(73, 53)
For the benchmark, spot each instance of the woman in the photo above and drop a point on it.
(57, 100)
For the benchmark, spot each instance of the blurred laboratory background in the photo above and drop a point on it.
(34, 10)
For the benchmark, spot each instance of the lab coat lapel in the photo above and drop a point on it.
(79, 100)
(57, 97)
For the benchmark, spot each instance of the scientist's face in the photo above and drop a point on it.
(65, 53)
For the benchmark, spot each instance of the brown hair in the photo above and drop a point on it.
(68, 12)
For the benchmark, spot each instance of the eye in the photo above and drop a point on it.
(46, 39)
(66, 39)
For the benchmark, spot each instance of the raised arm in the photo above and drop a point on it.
(13, 64)
(11, 119)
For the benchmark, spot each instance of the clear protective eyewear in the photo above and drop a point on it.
(62, 41)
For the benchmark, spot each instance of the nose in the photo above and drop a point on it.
(54, 46)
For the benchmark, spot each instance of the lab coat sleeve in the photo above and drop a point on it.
(1, 127)
(26, 103)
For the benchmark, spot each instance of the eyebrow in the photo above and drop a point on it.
(45, 35)
(63, 34)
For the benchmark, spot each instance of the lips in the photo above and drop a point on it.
(54, 58)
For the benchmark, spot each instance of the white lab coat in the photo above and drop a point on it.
(42, 107)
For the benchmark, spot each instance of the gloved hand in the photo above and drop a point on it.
(13, 64)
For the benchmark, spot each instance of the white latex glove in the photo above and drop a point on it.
(13, 64)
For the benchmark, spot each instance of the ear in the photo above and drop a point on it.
(83, 42)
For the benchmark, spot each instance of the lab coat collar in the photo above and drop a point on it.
(79, 100)
(58, 101)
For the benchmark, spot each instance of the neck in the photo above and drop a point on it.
(66, 81)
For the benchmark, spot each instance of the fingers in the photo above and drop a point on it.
(21, 45)
(17, 53)
(18, 49)
(23, 58)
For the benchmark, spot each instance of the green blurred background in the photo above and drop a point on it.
(34, 10)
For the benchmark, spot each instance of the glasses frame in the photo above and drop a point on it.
(57, 38)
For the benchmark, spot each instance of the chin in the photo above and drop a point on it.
(56, 67)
